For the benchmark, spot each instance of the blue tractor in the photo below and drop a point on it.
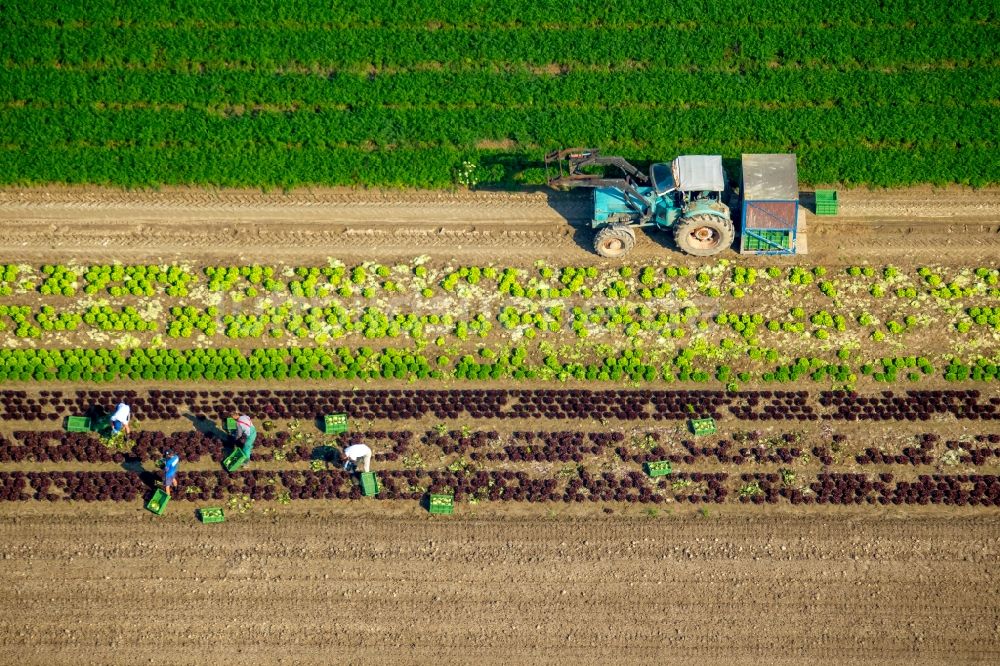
(685, 195)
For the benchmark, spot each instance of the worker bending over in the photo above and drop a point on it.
(354, 453)
(170, 462)
(120, 419)
(246, 434)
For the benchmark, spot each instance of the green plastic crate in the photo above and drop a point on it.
(334, 424)
(231, 425)
(702, 426)
(443, 504)
(212, 514)
(658, 468)
(826, 202)
(78, 424)
(158, 502)
(782, 238)
(235, 460)
(369, 484)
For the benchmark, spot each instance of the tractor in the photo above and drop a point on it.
(685, 195)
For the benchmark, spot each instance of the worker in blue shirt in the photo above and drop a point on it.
(170, 462)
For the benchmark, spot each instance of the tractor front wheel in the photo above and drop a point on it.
(704, 235)
(614, 241)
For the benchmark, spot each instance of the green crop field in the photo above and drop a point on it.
(293, 92)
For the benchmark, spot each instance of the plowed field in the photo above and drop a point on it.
(332, 585)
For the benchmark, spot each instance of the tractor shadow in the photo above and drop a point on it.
(583, 238)
(808, 201)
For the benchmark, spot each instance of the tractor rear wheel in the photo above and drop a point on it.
(614, 241)
(704, 235)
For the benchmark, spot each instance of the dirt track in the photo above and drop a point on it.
(952, 224)
(302, 589)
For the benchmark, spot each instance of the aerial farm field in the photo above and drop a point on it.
(298, 209)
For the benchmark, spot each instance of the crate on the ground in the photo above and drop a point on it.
(441, 503)
(658, 468)
(235, 460)
(702, 426)
(158, 502)
(826, 202)
(369, 484)
(78, 424)
(211, 514)
(335, 424)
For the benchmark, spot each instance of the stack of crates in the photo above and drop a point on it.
(763, 240)
(826, 202)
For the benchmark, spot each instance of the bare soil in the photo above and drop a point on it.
(322, 586)
(945, 225)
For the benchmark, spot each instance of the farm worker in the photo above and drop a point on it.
(170, 461)
(120, 419)
(246, 434)
(356, 452)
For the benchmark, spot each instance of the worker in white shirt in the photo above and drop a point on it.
(354, 453)
(120, 419)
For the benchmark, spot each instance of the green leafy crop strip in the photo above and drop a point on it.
(465, 127)
(502, 12)
(107, 365)
(255, 164)
(872, 46)
(219, 88)
(144, 93)
(650, 322)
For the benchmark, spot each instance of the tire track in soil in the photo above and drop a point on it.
(321, 586)
(457, 243)
(87, 221)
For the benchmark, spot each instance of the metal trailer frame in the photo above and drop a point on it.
(769, 196)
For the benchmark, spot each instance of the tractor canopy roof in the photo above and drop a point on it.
(699, 172)
(770, 177)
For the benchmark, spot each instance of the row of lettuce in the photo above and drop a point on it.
(509, 363)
